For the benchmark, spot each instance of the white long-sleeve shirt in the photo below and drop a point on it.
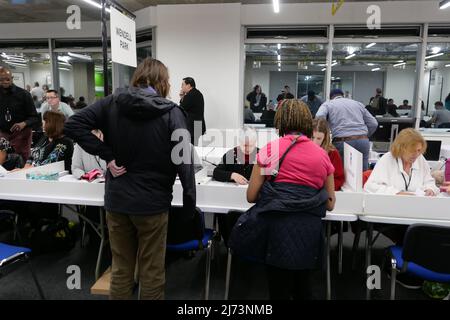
(83, 162)
(389, 177)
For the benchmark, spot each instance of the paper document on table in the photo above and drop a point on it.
(420, 193)
(3, 171)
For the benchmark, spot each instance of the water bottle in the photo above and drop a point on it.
(447, 170)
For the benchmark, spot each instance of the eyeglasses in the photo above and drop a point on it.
(52, 97)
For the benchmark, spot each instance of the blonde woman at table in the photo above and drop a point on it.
(292, 185)
(402, 171)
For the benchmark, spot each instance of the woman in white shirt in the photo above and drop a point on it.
(404, 169)
(83, 162)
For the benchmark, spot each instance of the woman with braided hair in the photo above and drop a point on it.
(292, 185)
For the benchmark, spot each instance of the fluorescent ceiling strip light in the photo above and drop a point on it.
(435, 50)
(444, 4)
(370, 45)
(333, 64)
(64, 58)
(447, 65)
(376, 69)
(96, 4)
(371, 64)
(323, 69)
(350, 56)
(399, 64)
(66, 69)
(279, 57)
(17, 64)
(279, 46)
(16, 59)
(80, 56)
(434, 55)
(276, 6)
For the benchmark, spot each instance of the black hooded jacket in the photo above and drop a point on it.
(137, 128)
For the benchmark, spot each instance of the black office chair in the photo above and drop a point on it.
(187, 233)
(10, 254)
(444, 125)
(425, 254)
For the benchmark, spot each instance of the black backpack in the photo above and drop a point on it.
(51, 235)
(185, 226)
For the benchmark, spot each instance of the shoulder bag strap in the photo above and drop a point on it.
(275, 171)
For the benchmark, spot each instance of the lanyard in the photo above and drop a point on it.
(409, 181)
(97, 158)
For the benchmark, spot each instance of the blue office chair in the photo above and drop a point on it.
(188, 234)
(424, 254)
(10, 254)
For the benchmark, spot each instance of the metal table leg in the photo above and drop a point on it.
(328, 260)
(340, 245)
(102, 244)
(228, 274)
(368, 254)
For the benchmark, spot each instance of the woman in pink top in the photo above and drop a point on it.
(291, 199)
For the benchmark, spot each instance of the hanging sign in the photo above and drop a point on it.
(123, 39)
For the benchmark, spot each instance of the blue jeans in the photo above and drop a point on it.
(362, 145)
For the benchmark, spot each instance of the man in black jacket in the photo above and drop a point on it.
(17, 114)
(379, 103)
(194, 105)
(141, 130)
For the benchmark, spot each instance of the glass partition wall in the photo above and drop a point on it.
(360, 68)
(436, 85)
(272, 66)
(410, 64)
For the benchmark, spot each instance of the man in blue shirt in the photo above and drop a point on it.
(350, 122)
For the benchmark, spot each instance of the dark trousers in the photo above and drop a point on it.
(226, 223)
(289, 284)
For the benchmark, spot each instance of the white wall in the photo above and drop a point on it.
(39, 73)
(365, 85)
(204, 42)
(400, 85)
(66, 81)
(278, 79)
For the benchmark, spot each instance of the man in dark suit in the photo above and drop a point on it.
(193, 103)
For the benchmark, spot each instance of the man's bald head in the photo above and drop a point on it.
(5, 77)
